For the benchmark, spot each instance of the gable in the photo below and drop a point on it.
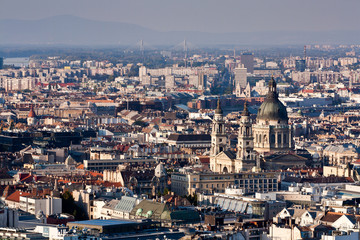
(343, 221)
(224, 155)
(284, 213)
(307, 214)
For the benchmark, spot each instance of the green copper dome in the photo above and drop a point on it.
(272, 108)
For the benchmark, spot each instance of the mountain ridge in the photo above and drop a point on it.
(73, 30)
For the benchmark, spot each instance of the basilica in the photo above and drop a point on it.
(267, 144)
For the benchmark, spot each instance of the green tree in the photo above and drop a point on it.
(192, 199)
(69, 206)
(67, 202)
(139, 123)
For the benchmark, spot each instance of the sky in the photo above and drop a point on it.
(215, 16)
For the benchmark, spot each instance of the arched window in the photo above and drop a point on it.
(259, 138)
(247, 131)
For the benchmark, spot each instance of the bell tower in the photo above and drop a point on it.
(245, 156)
(245, 137)
(31, 120)
(218, 135)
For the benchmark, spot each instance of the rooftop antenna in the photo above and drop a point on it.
(142, 48)
(185, 50)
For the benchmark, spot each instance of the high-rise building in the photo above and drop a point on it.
(201, 81)
(169, 81)
(300, 65)
(1, 63)
(240, 76)
(247, 59)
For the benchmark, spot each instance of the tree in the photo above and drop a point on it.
(140, 123)
(166, 191)
(192, 199)
(68, 202)
(69, 206)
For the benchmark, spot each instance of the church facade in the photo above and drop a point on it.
(271, 135)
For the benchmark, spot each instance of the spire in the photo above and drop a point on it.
(218, 108)
(272, 88)
(245, 111)
(32, 113)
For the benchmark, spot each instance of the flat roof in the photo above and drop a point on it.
(102, 222)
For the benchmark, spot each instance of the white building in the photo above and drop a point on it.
(9, 218)
(49, 205)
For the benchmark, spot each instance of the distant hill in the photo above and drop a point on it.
(66, 29)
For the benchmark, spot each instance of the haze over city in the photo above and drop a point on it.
(179, 120)
(204, 22)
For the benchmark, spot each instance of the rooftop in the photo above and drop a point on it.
(103, 222)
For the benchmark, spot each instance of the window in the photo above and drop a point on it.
(272, 140)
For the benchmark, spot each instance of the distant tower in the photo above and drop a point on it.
(141, 48)
(218, 135)
(247, 59)
(305, 56)
(141, 45)
(31, 120)
(240, 80)
(185, 50)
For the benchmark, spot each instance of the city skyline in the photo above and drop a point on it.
(179, 120)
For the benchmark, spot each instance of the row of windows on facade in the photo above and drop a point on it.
(274, 186)
(259, 138)
(264, 186)
(110, 164)
(246, 181)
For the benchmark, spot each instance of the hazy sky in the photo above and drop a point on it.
(199, 15)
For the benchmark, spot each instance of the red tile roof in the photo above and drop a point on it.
(81, 166)
(15, 197)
